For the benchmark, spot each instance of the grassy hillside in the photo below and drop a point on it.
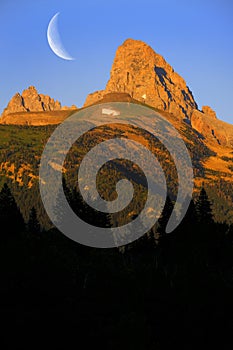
(22, 146)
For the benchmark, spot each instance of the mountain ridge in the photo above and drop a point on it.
(144, 75)
(138, 74)
(33, 108)
(130, 58)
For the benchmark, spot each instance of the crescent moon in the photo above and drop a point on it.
(54, 39)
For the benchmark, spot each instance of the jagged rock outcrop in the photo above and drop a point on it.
(209, 111)
(31, 101)
(66, 108)
(148, 78)
(214, 131)
(94, 97)
(145, 76)
(32, 108)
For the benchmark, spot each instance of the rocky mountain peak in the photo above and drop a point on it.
(139, 71)
(31, 101)
(31, 89)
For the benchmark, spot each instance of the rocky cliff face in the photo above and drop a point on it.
(148, 78)
(209, 111)
(213, 130)
(32, 108)
(143, 75)
(31, 101)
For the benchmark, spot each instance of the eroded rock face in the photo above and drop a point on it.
(31, 101)
(94, 97)
(148, 78)
(209, 111)
(214, 131)
(15, 105)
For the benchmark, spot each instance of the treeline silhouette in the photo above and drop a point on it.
(161, 291)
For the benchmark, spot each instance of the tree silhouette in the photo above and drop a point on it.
(190, 217)
(33, 223)
(10, 216)
(207, 240)
(203, 208)
(166, 213)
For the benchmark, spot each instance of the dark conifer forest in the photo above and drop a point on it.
(161, 291)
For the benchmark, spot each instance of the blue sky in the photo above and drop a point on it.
(195, 37)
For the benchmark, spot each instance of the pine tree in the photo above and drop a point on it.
(10, 217)
(190, 218)
(166, 213)
(186, 235)
(33, 223)
(203, 208)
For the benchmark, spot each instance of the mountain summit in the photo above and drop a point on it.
(139, 73)
(138, 70)
(31, 101)
(32, 108)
